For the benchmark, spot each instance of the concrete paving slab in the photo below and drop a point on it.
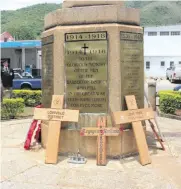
(11, 154)
(9, 129)
(26, 169)
(16, 185)
(12, 143)
(15, 167)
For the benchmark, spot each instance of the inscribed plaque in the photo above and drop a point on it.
(47, 70)
(132, 67)
(86, 72)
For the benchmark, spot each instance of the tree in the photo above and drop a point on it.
(22, 32)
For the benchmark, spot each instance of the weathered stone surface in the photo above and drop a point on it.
(70, 139)
(71, 142)
(92, 15)
(80, 3)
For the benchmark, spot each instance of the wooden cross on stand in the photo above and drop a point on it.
(135, 116)
(55, 115)
(101, 132)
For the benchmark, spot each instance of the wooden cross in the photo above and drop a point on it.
(101, 132)
(135, 116)
(55, 115)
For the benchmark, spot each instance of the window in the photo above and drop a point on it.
(175, 33)
(162, 64)
(147, 65)
(164, 33)
(17, 76)
(179, 62)
(152, 33)
(171, 64)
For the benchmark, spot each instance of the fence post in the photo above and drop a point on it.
(152, 94)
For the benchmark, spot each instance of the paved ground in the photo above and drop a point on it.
(163, 85)
(26, 169)
(166, 85)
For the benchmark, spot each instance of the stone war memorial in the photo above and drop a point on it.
(92, 53)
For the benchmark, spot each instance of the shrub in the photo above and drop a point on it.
(11, 108)
(170, 101)
(31, 98)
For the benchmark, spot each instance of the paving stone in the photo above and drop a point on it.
(26, 169)
(11, 143)
(14, 167)
(42, 174)
(16, 185)
(14, 130)
(93, 178)
(15, 122)
(149, 179)
(11, 154)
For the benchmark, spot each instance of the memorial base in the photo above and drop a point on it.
(71, 142)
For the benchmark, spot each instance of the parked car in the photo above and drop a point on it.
(175, 73)
(177, 88)
(168, 73)
(26, 82)
(23, 75)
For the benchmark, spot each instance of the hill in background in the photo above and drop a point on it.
(27, 23)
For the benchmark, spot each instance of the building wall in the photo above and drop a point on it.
(156, 70)
(15, 56)
(161, 44)
(39, 65)
(30, 56)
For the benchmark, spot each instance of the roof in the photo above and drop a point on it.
(6, 36)
(21, 44)
(163, 28)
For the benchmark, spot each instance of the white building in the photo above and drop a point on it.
(162, 49)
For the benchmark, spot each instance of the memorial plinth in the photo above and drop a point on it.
(92, 53)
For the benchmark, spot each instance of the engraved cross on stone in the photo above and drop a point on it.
(85, 47)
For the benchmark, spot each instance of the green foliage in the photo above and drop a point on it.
(22, 32)
(161, 13)
(11, 108)
(31, 97)
(170, 101)
(27, 23)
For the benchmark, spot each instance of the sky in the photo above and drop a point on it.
(17, 4)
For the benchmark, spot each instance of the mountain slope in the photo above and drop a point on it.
(161, 13)
(29, 19)
(27, 23)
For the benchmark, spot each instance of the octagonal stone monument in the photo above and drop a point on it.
(92, 53)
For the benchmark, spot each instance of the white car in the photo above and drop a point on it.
(175, 73)
(168, 73)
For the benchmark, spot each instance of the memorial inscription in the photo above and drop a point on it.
(132, 67)
(86, 72)
(47, 67)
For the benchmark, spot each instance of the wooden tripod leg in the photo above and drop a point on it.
(155, 123)
(156, 134)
